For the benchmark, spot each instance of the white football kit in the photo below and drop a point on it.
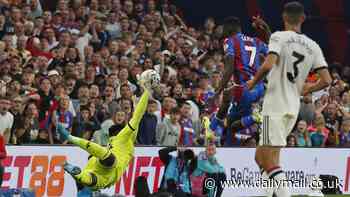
(298, 54)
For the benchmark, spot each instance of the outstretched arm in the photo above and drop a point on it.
(141, 108)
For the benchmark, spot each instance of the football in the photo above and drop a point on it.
(150, 78)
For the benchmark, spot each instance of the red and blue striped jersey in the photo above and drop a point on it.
(246, 53)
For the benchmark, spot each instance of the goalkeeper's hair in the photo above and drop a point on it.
(293, 10)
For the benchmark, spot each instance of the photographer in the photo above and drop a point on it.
(177, 171)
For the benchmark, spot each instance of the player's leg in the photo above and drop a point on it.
(83, 178)
(94, 149)
(245, 105)
(274, 133)
(218, 119)
(86, 178)
(73, 171)
(261, 153)
(246, 121)
(229, 134)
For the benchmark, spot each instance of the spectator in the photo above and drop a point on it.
(167, 104)
(43, 137)
(127, 107)
(62, 115)
(307, 109)
(215, 79)
(205, 86)
(83, 97)
(45, 102)
(345, 101)
(113, 26)
(123, 79)
(177, 92)
(27, 82)
(71, 84)
(292, 141)
(318, 137)
(302, 134)
(14, 89)
(125, 92)
(332, 117)
(6, 119)
(190, 130)
(208, 166)
(26, 129)
(148, 125)
(109, 105)
(16, 111)
(101, 136)
(54, 77)
(84, 125)
(168, 131)
(176, 176)
(344, 136)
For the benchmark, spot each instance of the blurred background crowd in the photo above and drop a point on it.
(77, 64)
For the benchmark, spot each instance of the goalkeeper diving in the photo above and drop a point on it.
(107, 164)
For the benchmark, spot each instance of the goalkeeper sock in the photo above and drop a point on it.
(92, 148)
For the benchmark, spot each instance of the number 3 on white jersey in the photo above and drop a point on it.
(252, 51)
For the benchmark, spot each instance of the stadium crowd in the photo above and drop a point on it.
(78, 66)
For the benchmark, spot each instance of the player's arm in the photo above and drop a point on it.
(228, 64)
(228, 61)
(320, 66)
(262, 27)
(324, 81)
(275, 46)
(140, 109)
(270, 60)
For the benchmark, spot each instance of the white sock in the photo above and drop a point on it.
(279, 176)
(268, 190)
